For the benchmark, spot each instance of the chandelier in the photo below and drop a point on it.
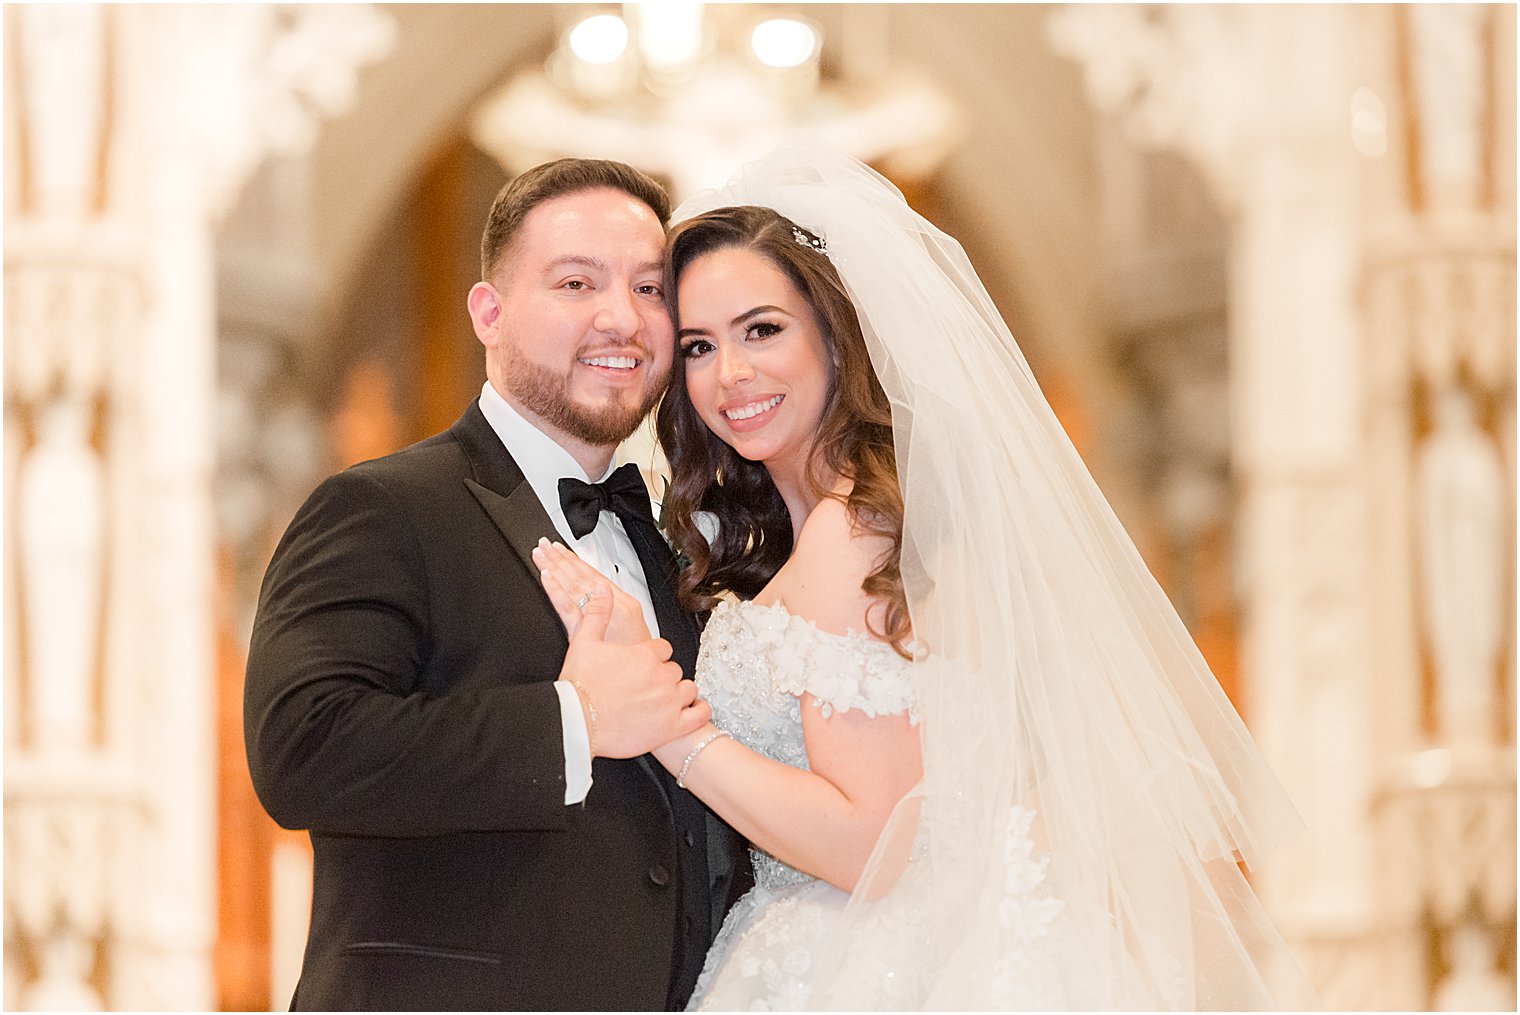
(690, 91)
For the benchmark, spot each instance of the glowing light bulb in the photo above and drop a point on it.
(670, 32)
(783, 42)
(601, 38)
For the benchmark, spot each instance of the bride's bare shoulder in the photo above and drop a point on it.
(833, 556)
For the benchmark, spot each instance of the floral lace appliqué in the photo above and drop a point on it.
(771, 957)
(755, 664)
(1022, 978)
(788, 944)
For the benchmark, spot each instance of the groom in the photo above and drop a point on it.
(488, 829)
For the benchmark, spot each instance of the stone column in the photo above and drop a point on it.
(1259, 99)
(76, 793)
(129, 130)
(1440, 326)
(1366, 155)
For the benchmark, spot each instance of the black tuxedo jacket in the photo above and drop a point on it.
(399, 705)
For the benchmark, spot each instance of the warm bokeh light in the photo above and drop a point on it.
(670, 34)
(783, 42)
(601, 38)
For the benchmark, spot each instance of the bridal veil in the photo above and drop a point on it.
(1089, 792)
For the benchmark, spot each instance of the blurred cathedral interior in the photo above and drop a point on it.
(1261, 260)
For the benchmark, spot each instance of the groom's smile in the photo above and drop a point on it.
(617, 365)
(582, 342)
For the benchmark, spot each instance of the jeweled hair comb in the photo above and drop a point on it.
(807, 239)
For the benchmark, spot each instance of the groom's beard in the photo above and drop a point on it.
(546, 394)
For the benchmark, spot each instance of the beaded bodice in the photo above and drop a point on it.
(755, 664)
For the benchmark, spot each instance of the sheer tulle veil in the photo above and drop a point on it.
(1089, 791)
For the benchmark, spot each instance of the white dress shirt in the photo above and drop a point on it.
(606, 548)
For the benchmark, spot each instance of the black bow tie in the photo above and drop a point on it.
(623, 493)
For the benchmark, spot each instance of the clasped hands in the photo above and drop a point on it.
(630, 690)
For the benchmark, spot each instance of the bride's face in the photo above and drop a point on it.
(757, 370)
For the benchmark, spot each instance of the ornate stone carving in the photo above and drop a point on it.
(1449, 69)
(1461, 527)
(62, 49)
(62, 521)
(1473, 984)
(258, 79)
(139, 123)
(1264, 100)
(1231, 86)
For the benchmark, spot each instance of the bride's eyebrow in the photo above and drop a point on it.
(766, 309)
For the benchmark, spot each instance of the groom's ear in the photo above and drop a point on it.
(485, 313)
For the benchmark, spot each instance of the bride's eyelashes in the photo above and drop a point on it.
(757, 331)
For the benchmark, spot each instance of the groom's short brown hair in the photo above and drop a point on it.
(556, 179)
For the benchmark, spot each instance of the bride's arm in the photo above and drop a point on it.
(825, 821)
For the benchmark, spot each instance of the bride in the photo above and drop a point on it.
(978, 758)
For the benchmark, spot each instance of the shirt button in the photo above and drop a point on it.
(659, 875)
(690, 837)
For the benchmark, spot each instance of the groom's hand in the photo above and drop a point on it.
(632, 695)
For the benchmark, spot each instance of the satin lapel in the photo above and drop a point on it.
(676, 624)
(522, 521)
(518, 514)
(508, 499)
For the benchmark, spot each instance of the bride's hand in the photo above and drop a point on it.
(566, 578)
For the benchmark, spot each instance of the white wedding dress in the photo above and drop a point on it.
(1089, 793)
(755, 663)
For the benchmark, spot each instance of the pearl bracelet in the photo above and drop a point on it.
(686, 765)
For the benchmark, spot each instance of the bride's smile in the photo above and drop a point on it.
(756, 366)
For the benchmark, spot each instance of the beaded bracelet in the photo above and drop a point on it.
(686, 765)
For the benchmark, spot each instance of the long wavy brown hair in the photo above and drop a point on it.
(854, 437)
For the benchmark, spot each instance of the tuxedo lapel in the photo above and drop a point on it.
(675, 625)
(660, 573)
(517, 513)
(508, 499)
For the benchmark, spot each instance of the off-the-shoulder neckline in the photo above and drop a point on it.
(851, 635)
